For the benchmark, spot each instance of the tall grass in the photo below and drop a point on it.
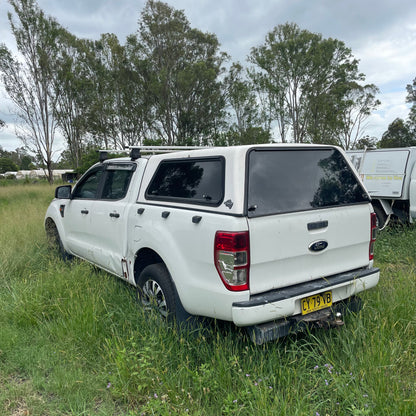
(74, 342)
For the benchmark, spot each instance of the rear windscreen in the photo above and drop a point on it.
(297, 180)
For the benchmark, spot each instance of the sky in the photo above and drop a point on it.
(380, 33)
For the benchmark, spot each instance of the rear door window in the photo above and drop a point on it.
(195, 181)
(117, 181)
(288, 180)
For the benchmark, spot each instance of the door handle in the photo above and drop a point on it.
(84, 211)
(114, 215)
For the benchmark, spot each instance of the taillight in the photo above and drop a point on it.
(373, 235)
(232, 259)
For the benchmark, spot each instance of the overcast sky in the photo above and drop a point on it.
(381, 34)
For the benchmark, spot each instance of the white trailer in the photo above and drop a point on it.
(390, 178)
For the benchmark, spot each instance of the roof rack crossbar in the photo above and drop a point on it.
(136, 151)
(164, 149)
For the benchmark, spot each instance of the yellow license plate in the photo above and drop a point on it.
(316, 302)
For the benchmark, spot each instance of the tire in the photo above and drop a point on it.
(55, 242)
(155, 291)
(381, 217)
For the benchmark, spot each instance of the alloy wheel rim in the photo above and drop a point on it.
(153, 298)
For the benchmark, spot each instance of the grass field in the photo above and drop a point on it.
(74, 342)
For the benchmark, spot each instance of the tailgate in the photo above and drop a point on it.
(308, 215)
(293, 248)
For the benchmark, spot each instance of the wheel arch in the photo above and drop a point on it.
(145, 257)
(51, 228)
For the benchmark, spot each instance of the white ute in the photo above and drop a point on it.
(270, 237)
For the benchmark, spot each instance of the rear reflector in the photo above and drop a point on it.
(373, 235)
(232, 259)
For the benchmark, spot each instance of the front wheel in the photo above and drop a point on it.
(155, 291)
(54, 240)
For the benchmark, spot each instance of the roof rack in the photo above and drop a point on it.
(137, 151)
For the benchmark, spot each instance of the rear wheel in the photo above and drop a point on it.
(155, 291)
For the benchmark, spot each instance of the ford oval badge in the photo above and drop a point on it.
(318, 245)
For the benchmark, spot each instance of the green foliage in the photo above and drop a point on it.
(6, 165)
(365, 142)
(397, 135)
(411, 98)
(20, 159)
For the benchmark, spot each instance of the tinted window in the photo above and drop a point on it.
(88, 187)
(190, 180)
(296, 180)
(117, 181)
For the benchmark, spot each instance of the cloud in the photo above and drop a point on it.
(381, 34)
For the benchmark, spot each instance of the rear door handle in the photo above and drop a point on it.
(317, 225)
(84, 211)
(114, 215)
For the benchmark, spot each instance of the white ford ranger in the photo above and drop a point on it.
(270, 237)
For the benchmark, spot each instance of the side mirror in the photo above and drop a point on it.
(63, 192)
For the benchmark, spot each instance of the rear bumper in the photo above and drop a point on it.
(285, 302)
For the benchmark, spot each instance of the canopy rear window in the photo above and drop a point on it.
(288, 180)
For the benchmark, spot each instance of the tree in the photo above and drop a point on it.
(365, 142)
(29, 83)
(19, 157)
(304, 76)
(2, 124)
(245, 126)
(180, 66)
(7, 165)
(411, 98)
(121, 107)
(356, 106)
(397, 135)
(73, 88)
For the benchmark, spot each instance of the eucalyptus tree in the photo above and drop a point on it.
(120, 113)
(411, 98)
(29, 81)
(246, 118)
(73, 85)
(398, 134)
(305, 77)
(357, 104)
(180, 67)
